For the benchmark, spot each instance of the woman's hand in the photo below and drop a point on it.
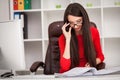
(87, 65)
(98, 61)
(66, 34)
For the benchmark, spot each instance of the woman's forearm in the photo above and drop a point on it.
(66, 53)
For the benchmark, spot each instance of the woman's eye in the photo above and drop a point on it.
(78, 21)
(71, 23)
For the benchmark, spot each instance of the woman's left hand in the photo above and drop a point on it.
(87, 65)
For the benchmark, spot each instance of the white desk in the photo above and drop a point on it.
(52, 77)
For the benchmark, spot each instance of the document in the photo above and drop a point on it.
(88, 71)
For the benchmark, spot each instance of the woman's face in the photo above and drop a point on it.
(75, 22)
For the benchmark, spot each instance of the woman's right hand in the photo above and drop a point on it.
(67, 34)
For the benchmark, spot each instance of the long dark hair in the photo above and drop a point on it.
(76, 9)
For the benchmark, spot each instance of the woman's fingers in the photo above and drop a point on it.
(70, 30)
(87, 65)
(67, 24)
(64, 26)
(67, 34)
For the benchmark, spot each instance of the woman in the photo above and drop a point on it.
(80, 43)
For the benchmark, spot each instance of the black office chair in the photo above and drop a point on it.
(52, 59)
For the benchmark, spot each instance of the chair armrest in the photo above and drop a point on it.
(36, 65)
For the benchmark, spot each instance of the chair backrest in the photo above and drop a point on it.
(52, 64)
(52, 60)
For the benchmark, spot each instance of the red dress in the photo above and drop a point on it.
(65, 63)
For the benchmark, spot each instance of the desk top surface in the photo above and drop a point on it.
(52, 77)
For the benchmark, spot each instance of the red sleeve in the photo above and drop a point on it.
(96, 41)
(64, 63)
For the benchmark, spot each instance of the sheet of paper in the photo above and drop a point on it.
(88, 71)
